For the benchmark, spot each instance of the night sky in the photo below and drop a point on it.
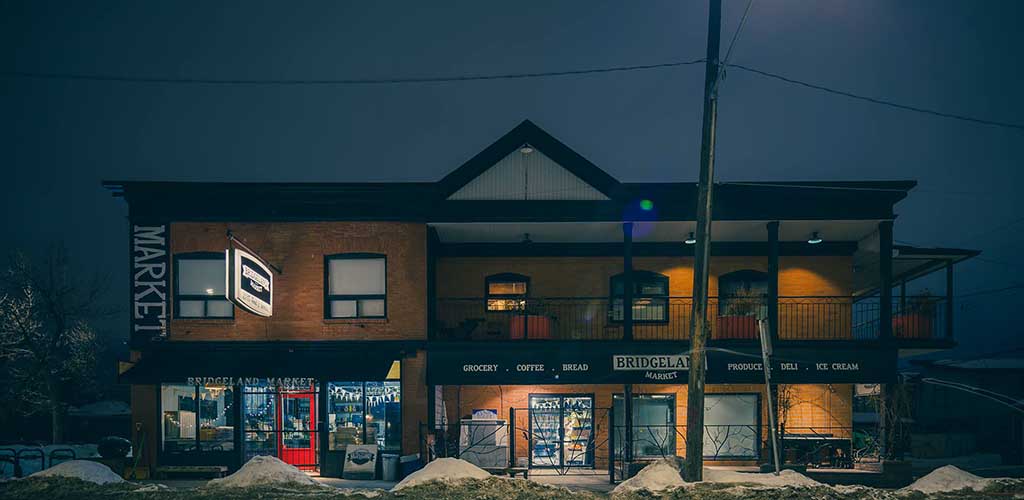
(60, 138)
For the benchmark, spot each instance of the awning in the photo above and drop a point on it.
(335, 361)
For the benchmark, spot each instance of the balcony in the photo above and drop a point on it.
(918, 318)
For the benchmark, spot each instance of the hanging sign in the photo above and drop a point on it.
(250, 282)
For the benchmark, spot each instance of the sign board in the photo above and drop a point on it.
(150, 275)
(360, 461)
(250, 282)
(619, 364)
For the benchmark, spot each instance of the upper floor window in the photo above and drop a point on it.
(199, 281)
(507, 292)
(742, 293)
(650, 297)
(356, 286)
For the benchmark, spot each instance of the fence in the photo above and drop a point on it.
(23, 460)
(516, 442)
(668, 318)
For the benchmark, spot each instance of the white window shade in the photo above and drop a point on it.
(356, 277)
(201, 277)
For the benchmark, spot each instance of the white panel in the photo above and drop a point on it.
(532, 176)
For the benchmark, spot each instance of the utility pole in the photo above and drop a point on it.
(702, 254)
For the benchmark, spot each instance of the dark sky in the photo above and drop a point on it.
(60, 138)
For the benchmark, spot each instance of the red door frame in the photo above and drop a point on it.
(303, 458)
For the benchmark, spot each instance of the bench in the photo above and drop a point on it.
(511, 471)
(194, 470)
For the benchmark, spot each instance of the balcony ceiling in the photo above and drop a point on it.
(662, 231)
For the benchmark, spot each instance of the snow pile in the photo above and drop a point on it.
(786, 477)
(949, 478)
(263, 471)
(443, 469)
(659, 476)
(93, 472)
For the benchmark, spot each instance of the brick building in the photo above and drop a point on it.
(409, 316)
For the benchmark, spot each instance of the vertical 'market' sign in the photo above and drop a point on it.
(150, 267)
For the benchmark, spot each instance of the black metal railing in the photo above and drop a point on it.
(668, 318)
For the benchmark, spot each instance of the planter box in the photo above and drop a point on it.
(736, 327)
(529, 327)
(913, 326)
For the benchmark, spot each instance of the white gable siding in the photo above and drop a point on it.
(531, 176)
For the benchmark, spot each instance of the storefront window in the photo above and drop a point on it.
(365, 413)
(654, 419)
(260, 404)
(197, 418)
(730, 426)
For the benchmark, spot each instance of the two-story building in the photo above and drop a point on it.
(528, 284)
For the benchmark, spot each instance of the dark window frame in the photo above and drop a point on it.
(745, 276)
(178, 297)
(621, 397)
(505, 278)
(639, 276)
(328, 298)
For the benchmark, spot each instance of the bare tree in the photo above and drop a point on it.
(47, 346)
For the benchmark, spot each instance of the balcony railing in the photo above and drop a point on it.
(735, 318)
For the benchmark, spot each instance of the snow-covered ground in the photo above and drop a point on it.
(949, 478)
(664, 475)
(443, 469)
(264, 471)
(93, 472)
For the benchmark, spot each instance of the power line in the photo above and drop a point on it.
(353, 81)
(876, 100)
(736, 35)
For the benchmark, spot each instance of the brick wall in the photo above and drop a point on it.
(298, 249)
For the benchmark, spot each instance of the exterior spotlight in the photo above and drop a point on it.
(526, 149)
(815, 238)
(690, 240)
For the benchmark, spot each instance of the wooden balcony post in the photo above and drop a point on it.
(627, 281)
(949, 300)
(885, 280)
(773, 280)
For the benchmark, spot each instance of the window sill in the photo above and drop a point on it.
(203, 321)
(349, 321)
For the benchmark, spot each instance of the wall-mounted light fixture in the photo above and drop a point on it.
(815, 238)
(526, 149)
(690, 240)
(526, 238)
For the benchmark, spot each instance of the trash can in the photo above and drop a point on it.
(390, 470)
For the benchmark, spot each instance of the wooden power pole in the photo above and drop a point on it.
(702, 254)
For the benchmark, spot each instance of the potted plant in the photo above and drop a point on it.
(738, 315)
(917, 319)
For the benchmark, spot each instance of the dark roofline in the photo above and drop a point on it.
(427, 201)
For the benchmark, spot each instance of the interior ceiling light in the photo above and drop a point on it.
(526, 149)
(815, 238)
(690, 240)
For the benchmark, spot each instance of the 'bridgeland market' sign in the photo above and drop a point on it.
(250, 282)
(656, 367)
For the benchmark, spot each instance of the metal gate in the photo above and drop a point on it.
(281, 422)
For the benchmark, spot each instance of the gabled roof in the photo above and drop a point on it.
(529, 133)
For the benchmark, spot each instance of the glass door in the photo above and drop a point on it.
(577, 431)
(298, 428)
(561, 431)
(545, 431)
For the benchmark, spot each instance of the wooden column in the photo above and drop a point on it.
(773, 279)
(949, 300)
(885, 280)
(627, 281)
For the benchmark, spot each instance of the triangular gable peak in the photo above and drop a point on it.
(527, 174)
(528, 164)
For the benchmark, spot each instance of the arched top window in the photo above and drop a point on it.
(650, 297)
(506, 291)
(742, 293)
